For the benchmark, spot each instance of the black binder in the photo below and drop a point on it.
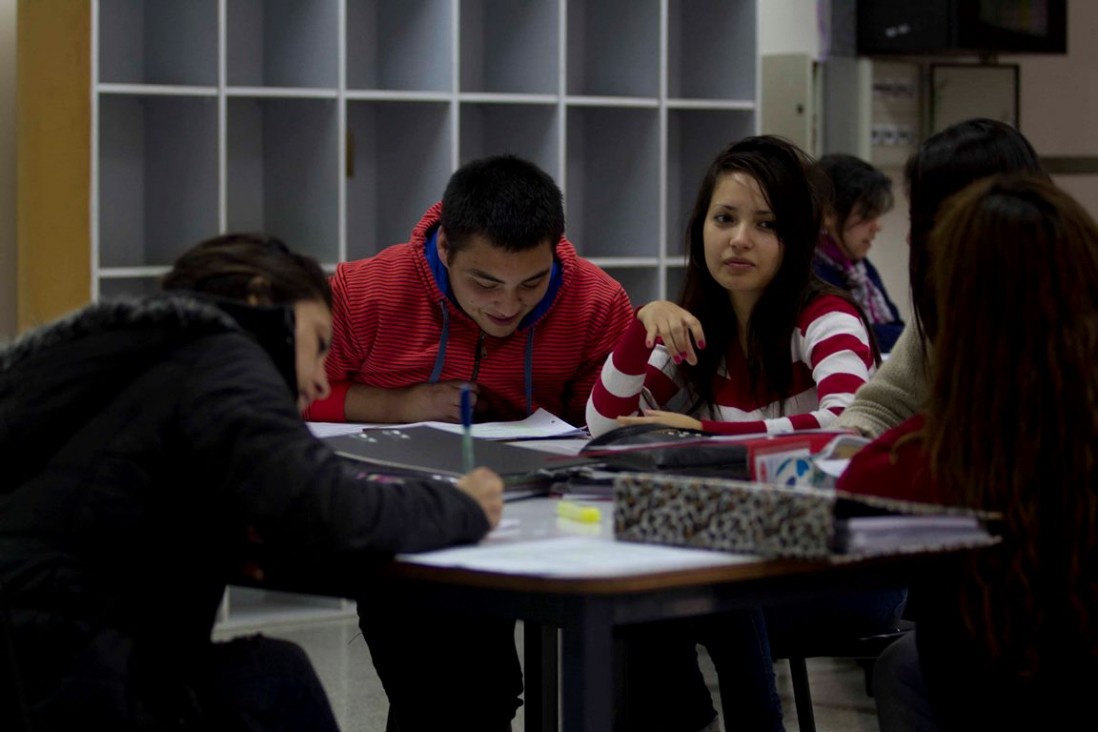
(433, 453)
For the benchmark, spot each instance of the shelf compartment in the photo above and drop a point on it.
(613, 48)
(149, 90)
(510, 47)
(157, 177)
(399, 160)
(627, 102)
(742, 105)
(281, 92)
(128, 287)
(529, 131)
(399, 45)
(375, 95)
(623, 262)
(283, 172)
(694, 137)
(496, 98)
(166, 42)
(282, 43)
(676, 277)
(711, 48)
(612, 182)
(641, 283)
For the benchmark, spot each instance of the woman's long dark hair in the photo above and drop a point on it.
(857, 188)
(943, 165)
(796, 191)
(1012, 423)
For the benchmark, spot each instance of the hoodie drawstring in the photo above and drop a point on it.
(528, 372)
(440, 359)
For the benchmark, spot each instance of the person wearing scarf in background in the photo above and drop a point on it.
(861, 195)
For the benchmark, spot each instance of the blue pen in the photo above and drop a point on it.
(467, 425)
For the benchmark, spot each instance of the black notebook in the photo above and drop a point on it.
(433, 453)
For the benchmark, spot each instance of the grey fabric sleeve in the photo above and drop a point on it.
(897, 391)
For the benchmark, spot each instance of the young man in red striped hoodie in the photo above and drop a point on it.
(488, 292)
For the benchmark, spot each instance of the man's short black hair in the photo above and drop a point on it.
(510, 201)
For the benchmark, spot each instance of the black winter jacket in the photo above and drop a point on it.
(148, 449)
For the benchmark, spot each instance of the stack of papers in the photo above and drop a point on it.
(873, 534)
(575, 557)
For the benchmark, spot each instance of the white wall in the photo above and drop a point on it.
(1058, 100)
(1059, 94)
(791, 26)
(889, 252)
(788, 26)
(7, 169)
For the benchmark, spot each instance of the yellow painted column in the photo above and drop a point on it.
(53, 176)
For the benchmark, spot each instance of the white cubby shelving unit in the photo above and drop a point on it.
(334, 124)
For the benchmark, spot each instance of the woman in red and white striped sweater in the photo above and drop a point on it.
(757, 343)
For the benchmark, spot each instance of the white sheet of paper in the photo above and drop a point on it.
(507, 527)
(575, 556)
(540, 424)
(331, 429)
(834, 467)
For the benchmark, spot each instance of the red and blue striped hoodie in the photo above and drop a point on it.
(395, 326)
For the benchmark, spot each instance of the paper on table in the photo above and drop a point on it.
(834, 458)
(540, 424)
(575, 556)
(331, 429)
(834, 467)
(507, 527)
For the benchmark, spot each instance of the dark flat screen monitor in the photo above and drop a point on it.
(956, 27)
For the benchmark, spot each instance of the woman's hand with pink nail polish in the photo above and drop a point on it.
(678, 329)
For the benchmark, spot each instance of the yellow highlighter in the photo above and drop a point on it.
(576, 512)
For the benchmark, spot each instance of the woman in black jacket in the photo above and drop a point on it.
(153, 450)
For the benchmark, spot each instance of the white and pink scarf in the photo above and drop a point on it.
(865, 292)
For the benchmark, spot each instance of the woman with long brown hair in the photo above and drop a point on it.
(1011, 425)
(756, 343)
(943, 165)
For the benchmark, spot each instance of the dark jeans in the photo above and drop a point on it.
(258, 684)
(442, 672)
(663, 687)
(899, 690)
(663, 659)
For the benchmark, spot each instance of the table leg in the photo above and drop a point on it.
(588, 657)
(539, 642)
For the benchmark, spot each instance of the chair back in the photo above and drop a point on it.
(863, 648)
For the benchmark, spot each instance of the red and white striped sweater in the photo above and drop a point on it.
(831, 359)
(390, 316)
